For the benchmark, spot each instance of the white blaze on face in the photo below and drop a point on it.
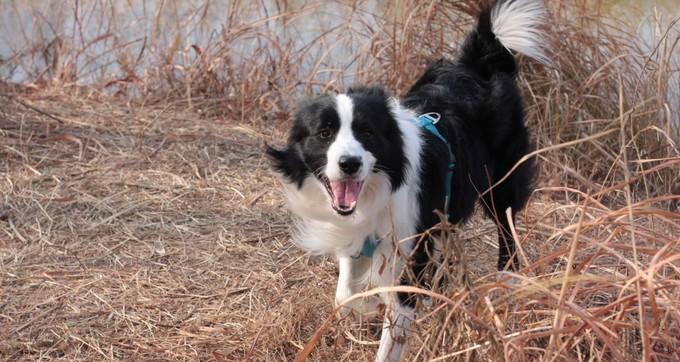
(343, 189)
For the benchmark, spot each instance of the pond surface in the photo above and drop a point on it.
(97, 27)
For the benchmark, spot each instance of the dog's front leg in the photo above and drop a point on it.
(352, 278)
(396, 323)
(344, 288)
(396, 326)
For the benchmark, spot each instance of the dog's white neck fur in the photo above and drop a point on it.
(380, 211)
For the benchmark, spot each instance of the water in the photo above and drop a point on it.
(642, 18)
(150, 27)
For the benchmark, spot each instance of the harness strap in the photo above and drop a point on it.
(368, 249)
(428, 122)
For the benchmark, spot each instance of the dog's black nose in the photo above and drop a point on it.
(349, 164)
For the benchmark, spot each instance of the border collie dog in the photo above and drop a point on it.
(363, 172)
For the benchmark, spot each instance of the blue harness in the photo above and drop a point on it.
(428, 122)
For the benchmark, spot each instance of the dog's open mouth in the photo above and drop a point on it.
(344, 195)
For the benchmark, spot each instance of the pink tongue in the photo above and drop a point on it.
(345, 193)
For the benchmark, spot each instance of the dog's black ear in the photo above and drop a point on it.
(373, 90)
(287, 163)
(276, 157)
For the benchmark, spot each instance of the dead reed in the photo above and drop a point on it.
(138, 219)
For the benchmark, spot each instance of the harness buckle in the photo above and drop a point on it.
(434, 117)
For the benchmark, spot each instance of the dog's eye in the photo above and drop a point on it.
(325, 133)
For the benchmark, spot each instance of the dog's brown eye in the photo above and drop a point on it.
(324, 133)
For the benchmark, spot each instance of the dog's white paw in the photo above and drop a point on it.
(509, 279)
(364, 306)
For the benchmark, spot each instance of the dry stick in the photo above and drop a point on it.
(36, 109)
(500, 326)
(590, 198)
(597, 326)
(518, 245)
(477, 346)
(440, 335)
(646, 356)
(545, 149)
(649, 276)
(558, 322)
(422, 347)
(354, 339)
(668, 163)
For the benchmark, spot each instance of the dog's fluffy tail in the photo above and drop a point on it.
(510, 25)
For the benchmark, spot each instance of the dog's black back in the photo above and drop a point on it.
(482, 116)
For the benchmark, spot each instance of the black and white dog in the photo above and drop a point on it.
(363, 172)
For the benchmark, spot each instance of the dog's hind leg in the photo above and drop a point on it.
(495, 203)
(512, 193)
(507, 253)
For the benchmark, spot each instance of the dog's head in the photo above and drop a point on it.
(343, 148)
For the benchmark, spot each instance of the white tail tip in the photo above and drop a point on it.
(515, 24)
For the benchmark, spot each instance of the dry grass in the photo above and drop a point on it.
(139, 220)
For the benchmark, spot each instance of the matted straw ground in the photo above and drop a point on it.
(132, 232)
(150, 233)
